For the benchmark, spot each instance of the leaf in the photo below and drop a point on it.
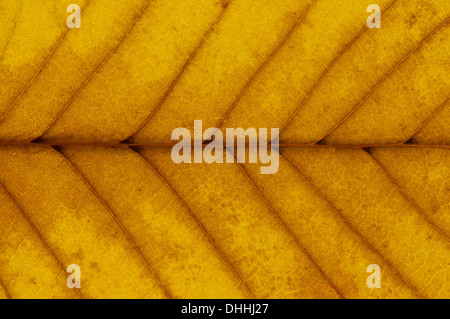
(86, 175)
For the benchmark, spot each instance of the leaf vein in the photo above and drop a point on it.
(325, 72)
(194, 217)
(287, 229)
(12, 29)
(432, 115)
(38, 234)
(265, 63)
(353, 228)
(91, 76)
(41, 67)
(117, 220)
(417, 208)
(178, 76)
(8, 295)
(381, 81)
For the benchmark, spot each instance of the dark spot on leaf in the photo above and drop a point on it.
(224, 3)
(368, 150)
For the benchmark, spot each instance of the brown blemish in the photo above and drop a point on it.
(225, 3)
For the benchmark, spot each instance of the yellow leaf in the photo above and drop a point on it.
(87, 177)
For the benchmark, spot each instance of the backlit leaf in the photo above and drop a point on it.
(87, 178)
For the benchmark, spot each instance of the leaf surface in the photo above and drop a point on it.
(87, 178)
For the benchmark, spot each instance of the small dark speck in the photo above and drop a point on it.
(367, 150)
(224, 3)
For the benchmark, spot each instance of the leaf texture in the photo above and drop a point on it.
(86, 175)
